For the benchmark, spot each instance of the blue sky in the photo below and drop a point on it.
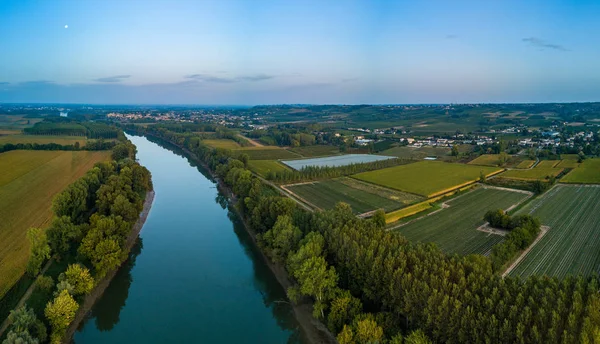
(265, 52)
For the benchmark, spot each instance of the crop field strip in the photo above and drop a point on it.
(532, 174)
(572, 244)
(267, 153)
(486, 160)
(587, 173)
(454, 229)
(568, 163)
(362, 197)
(314, 151)
(547, 163)
(417, 153)
(28, 182)
(526, 164)
(42, 139)
(427, 178)
(222, 143)
(262, 167)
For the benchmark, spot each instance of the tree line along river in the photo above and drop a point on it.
(194, 275)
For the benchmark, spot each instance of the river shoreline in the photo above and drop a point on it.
(314, 331)
(99, 289)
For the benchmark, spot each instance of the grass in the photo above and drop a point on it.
(262, 167)
(547, 163)
(568, 164)
(28, 182)
(222, 143)
(267, 153)
(587, 173)
(454, 229)
(486, 160)
(427, 178)
(41, 139)
(312, 151)
(526, 164)
(532, 174)
(362, 197)
(571, 244)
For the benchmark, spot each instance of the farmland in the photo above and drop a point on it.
(426, 178)
(486, 160)
(453, 229)
(222, 143)
(26, 192)
(362, 197)
(533, 174)
(571, 245)
(42, 139)
(312, 151)
(526, 164)
(587, 173)
(417, 153)
(262, 167)
(266, 153)
(547, 163)
(335, 161)
(568, 163)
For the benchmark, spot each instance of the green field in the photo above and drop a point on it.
(311, 151)
(267, 153)
(526, 164)
(426, 178)
(532, 174)
(486, 160)
(572, 244)
(587, 173)
(17, 122)
(417, 153)
(262, 167)
(454, 229)
(222, 143)
(362, 197)
(41, 139)
(547, 163)
(568, 163)
(28, 182)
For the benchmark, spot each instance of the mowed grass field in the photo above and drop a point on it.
(486, 160)
(267, 153)
(41, 139)
(222, 143)
(526, 164)
(572, 244)
(587, 173)
(262, 167)
(547, 163)
(426, 178)
(568, 163)
(417, 153)
(28, 182)
(533, 174)
(362, 197)
(454, 229)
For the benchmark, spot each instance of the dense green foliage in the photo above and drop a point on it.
(90, 146)
(404, 286)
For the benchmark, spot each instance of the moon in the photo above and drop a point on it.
(66, 26)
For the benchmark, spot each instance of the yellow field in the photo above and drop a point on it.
(526, 164)
(547, 163)
(568, 163)
(28, 182)
(486, 160)
(40, 139)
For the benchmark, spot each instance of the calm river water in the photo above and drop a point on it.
(194, 276)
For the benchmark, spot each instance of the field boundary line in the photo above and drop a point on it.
(543, 231)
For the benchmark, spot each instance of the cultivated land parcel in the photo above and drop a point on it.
(362, 197)
(454, 229)
(427, 178)
(571, 244)
(28, 182)
(587, 173)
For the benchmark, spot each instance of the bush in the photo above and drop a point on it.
(44, 283)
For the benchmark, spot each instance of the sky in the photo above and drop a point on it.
(319, 52)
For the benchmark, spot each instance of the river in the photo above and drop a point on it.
(194, 276)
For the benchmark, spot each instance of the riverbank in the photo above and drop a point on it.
(99, 289)
(313, 330)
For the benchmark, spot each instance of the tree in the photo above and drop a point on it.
(503, 158)
(60, 312)
(367, 331)
(40, 250)
(23, 337)
(344, 308)
(317, 280)
(455, 151)
(346, 336)
(379, 218)
(80, 278)
(282, 238)
(61, 233)
(122, 207)
(417, 337)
